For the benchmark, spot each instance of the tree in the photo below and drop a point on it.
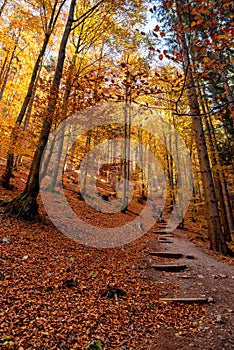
(217, 239)
(49, 26)
(25, 205)
(189, 23)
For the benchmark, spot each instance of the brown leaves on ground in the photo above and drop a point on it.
(56, 294)
(53, 294)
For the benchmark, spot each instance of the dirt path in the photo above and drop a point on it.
(204, 277)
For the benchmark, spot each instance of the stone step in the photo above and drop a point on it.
(169, 268)
(164, 226)
(161, 232)
(166, 235)
(167, 255)
(186, 300)
(165, 241)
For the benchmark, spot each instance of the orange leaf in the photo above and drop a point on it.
(207, 59)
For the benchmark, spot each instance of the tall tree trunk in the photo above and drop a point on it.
(217, 241)
(226, 85)
(5, 179)
(214, 157)
(2, 72)
(87, 148)
(25, 205)
(225, 192)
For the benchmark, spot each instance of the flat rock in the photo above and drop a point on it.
(169, 268)
(162, 232)
(191, 257)
(167, 255)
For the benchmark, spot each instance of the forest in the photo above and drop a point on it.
(116, 116)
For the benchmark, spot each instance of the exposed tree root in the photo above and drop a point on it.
(24, 206)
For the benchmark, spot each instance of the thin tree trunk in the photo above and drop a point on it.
(217, 241)
(223, 181)
(3, 6)
(214, 157)
(3, 67)
(7, 73)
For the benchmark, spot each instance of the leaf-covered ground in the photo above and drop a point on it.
(52, 294)
(55, 293)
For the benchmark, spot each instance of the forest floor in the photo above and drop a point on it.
(58, 294)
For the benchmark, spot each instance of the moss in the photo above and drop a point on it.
(3, 203)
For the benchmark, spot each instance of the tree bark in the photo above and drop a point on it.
(5, 180)
(7, 73)
(214, 157)
(3, 6)
(216, 237)
(25, 205)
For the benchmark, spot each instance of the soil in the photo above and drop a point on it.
(204, 277)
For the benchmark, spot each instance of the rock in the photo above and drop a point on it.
(25, 257)
(220, 319)
(192, 257)
(6, 240)
(200, 276)
(185, 276)
(222, 275)
(169, 268)
(210, 300)
(113, 292)
(167, 255)
(69, 283)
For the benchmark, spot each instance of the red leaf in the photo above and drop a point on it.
(156, 28)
